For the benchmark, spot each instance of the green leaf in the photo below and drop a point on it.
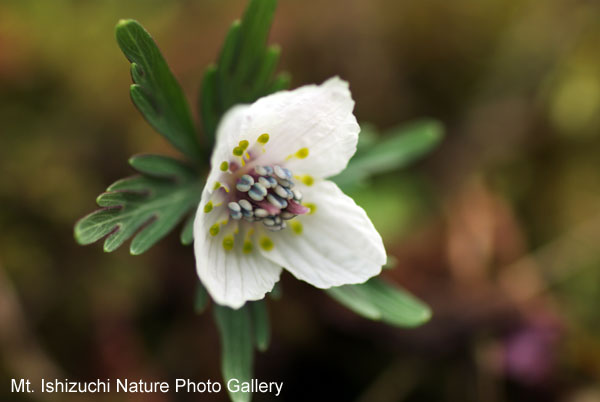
(237, 352)
(400, 147)
(187, 233)
(245, 68)
(260, 324)
(154, 202)
(377, 300)
(156, 92)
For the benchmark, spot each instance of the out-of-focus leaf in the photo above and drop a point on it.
(398, 149)
(201, 299)
(155, 91)
(237, 353)
(154, 202)
(245, 69)
(377, 300)
(260, 324)
(187, 233)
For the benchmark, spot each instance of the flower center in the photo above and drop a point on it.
(266, 194)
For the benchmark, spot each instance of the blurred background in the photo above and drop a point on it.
(498, 229)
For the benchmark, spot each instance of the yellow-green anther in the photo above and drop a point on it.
(266, 243)
(302, 153)
(208, 207)
(296, 227)
(228, 243)
(224, 166)
(244, 144)
(214, 229)
(247, 247)
(263, 138)
(308, 180)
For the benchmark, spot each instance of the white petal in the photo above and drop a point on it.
(229, 134)
(338, 244)
(230, 277)
(316, 117)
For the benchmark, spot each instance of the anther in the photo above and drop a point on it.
(234, 206)
(257, 192)
(261, 170)
(261, 213)
(282, 173)
(297, 195)
(244, 183)
(267, 181)
(285, 183)
(245, 204)
(277, 201)
(287, 215)
(281, 191)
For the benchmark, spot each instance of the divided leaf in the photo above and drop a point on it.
(154, 202)
(155, 91)
(400, 147)
(245, 69)
(377, 300)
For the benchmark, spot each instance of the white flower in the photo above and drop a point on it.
(267, 206)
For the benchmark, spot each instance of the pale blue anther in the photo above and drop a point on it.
(234, 206)
(261, 213)
(287, 215)
(257, 192)
(245, 204)
(244, 183)
(261, 170)
(267, 181)
(297, 195)
(282, 173)
(281, 191)
(277, 201)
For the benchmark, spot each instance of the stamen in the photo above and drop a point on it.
(266, 243)
(235, 210)
(281, 191)
(302, 153)
(261, 213)
(224, 166)
(245, 204)
(244, 183)
(208, 207)
(297, 195)
(267, 181)
(257, 192)
(263, 138)
(228, 243)
(287, 215)
(306, 179)
(214, 229)
(277, 201)
(296, 227)
(282, 173)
